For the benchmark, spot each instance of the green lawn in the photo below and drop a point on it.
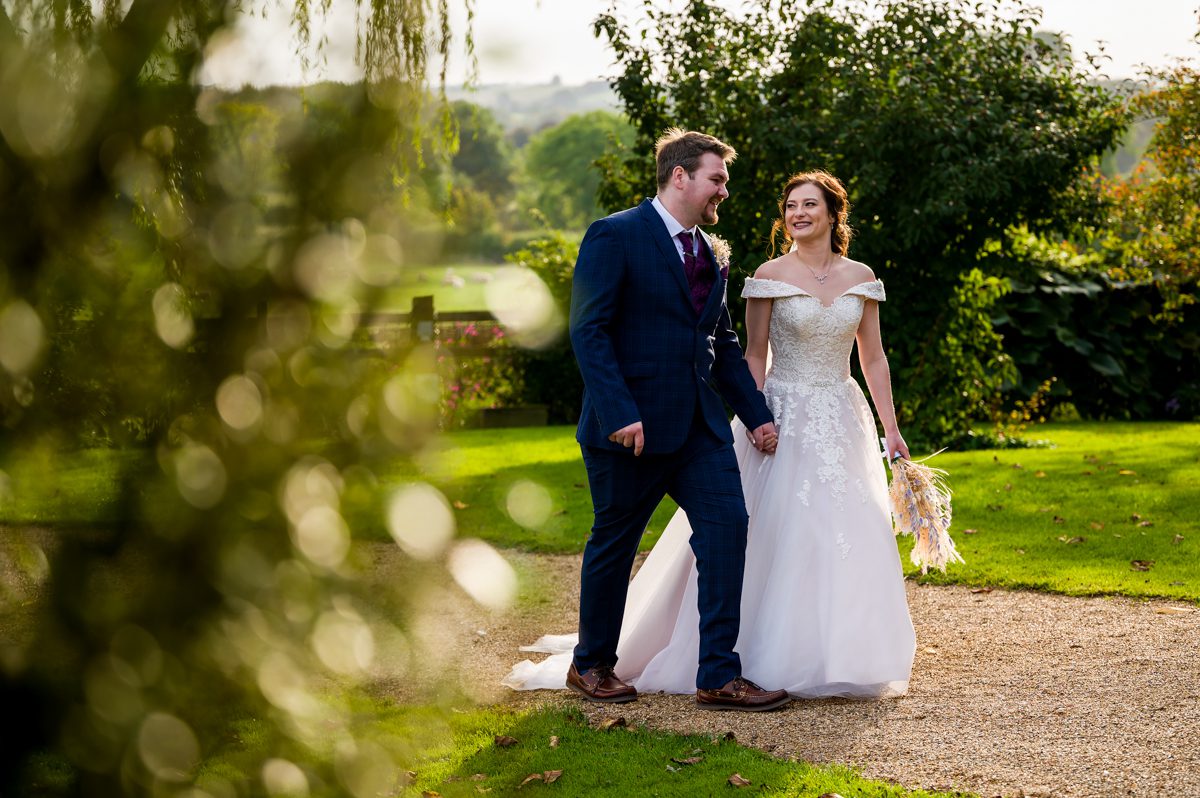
(1109, 509)
(455, 752)
(467, 292)
(1071, 518)
(1085, 517)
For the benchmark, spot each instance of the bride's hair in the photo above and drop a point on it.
(835, 199)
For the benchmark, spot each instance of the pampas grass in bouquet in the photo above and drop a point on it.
(921, 508)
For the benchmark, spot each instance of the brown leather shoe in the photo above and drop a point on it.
(742, 695)
(600, 685)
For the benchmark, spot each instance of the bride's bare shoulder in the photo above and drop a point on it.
(860, 272)
(771, 269)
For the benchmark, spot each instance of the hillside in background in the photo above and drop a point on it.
(529, 108)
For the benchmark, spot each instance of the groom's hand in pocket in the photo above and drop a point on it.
(630, 436)
(765, 438)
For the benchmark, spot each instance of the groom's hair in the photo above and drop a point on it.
(676, 147)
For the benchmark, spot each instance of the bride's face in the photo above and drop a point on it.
(806, 215)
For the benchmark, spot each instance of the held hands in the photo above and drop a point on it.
(630, 436)
(765, 438)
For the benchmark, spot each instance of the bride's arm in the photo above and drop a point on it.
(879, 379)
(758, 326)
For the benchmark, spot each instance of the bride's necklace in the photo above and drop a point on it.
(820, 278)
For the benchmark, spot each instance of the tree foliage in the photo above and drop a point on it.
(184, 277)
(1113, 313)
(1155, 213)
(562, 165)
(949, 123)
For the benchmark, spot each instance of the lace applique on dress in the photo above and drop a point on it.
(808, 383)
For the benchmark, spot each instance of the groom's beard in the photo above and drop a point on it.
(709, 214)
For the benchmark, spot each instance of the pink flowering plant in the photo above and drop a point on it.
(475, 360)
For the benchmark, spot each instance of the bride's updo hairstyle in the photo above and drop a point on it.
(836, 201)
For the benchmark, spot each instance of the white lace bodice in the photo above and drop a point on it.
(811, 342)
(808, 385)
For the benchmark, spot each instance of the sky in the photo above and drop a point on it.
(536, 41)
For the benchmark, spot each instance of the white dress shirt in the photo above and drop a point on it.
(674, 228)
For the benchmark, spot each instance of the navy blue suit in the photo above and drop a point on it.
(645, 355)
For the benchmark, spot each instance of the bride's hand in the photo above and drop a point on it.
(765, 438)
(896, 446)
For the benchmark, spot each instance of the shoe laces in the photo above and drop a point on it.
(744, 683)
(601, 672)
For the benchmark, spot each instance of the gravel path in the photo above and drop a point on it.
(1013, 693)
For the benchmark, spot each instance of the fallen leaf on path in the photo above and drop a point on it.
(609, 723)
(529, 778)
(1141, 565)
(1175, 610)
(691, 760)
(1145, 523)
(738, 780)
(551, 776)
(930, 650)
(1071, 540)
(970, 531)
(504, 741)
(982, 590)
(554, 742)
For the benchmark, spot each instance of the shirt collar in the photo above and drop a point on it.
(674, 228)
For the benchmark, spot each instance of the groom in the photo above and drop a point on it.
(657, 352)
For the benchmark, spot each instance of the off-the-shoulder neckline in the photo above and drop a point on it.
(800, 290)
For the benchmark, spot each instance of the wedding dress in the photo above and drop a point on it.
(824, 611)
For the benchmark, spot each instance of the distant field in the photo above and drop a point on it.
(457, 287)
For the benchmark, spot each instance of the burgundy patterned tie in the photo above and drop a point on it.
(699, 276)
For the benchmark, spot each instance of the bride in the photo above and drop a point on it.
(823, 604)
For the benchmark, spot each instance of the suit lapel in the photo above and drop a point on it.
(666, 247)
(718, 287)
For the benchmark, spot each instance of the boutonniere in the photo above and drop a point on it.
(722, 252)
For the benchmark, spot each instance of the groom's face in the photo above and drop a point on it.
(705, 189)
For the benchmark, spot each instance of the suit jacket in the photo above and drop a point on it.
(643, 352)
